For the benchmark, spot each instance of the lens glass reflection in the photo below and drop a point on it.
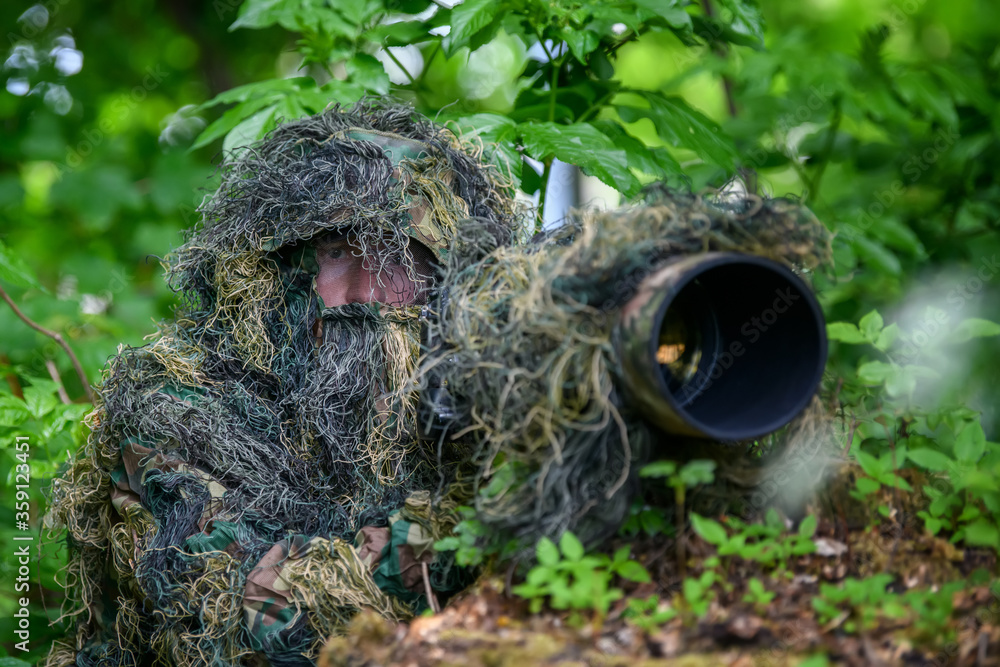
(686, 345)
(680, 347)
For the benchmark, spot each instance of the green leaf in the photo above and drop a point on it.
(251, 129)
(746, 18)
(570, 546)
(877, 372)
(13, 411)
(867, 485)
(656, 162)
(890, 478)
(973, 327)
(844, 332)
(367, 71)
(270, 89)
(926, 95)
(877, 255)
(930, 459)
(896, 234)
(262, 13)
(710, 531)
(580, 144)
(230, 119)
(871, 325)
(872, 466)
(808, 526)
(547, 552)
(305, 16)
(581, 42)
(969, 513)
(621, 555)
(39, 400)
(698, 472)
(982, 533)
(803, 547)
(669, 11)
(658, 469)
(901, 384)
(633, 571)
(887, 337)
(400, 33)
(932, 525)
(601, 66)
(540, 575)
(359, 11)
(680, 125)
(15, 271)
(447, 544)
(467, 19)
(773, 521)
(970, 445)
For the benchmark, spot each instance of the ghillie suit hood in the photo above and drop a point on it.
(243, 479)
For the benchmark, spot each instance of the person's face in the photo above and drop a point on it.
(346, 276)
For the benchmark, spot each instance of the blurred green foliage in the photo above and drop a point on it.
(882, 115)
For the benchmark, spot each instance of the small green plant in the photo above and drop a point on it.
(947, 443)
(766, 543)
(680, 479)
(649, 613)
(570, 579)
(38, 432)
(645, 519)
(862, 602)
(467, 539)
(698, 593)
(757, 595)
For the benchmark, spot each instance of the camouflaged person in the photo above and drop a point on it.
(252, 478)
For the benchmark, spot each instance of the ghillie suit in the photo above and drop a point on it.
(252, 478)
(528, 359)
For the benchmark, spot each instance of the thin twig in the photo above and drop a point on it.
(431, 598)
(679, 520)
(54, 374)
(831, 136)
(57, 337)
(427, 64)
(720, 50)
(542, 191)
(850, 434)
(399, 65)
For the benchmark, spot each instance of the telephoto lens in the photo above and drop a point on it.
(721, 345)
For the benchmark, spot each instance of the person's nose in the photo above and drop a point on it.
(363, 288)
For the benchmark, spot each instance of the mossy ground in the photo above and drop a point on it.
(487, 627)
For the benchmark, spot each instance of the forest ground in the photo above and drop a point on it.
(937, 609)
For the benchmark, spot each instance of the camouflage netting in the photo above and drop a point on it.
(252, 478)
(529, 359)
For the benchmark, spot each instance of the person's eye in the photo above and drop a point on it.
(335, 253)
